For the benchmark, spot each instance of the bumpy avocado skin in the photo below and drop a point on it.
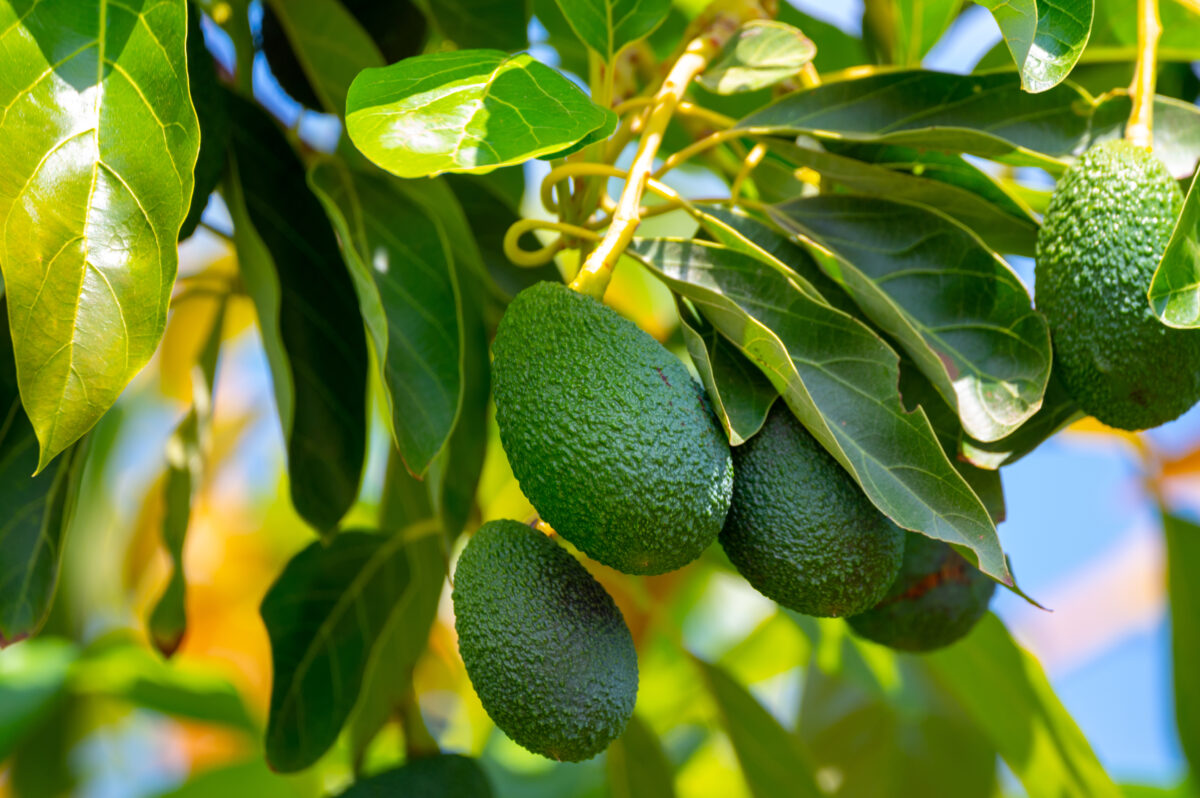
(801, 531)
(937, 598)
(545, 646)
(1107, 226)
(443, 775)
(608, 435)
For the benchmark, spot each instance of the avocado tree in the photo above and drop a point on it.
(556, 334)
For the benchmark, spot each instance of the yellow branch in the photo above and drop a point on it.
(1140, 129)
(525, 258)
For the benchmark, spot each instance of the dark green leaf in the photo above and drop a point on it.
(213, 117)
(1058, 411)
(761, 54)
(905, 30)
(308, 312)
(1183, 587)
(773, 761)
(607, 26)
(37, 510)
(955, 306)
(1007, 696)
(944, 182)
(986, 115)
(502, 24)
(1045, 37)
(324, 615)
(97, 145)
(33, 679)
(465, 111)
(840, 380)
(449, 775)
(741, 396)
(637, 765)
(1175, 288)
(403, 270)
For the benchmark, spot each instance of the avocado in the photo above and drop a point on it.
(545, 646)
(800, 530)
(443, 775)
(609, 436)
(937, 598)
(1105, 230)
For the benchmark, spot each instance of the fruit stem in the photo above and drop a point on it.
(1140, 129)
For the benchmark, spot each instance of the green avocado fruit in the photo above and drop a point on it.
(1107, 226)
(608, 435)
(546, 648)
(801, 531)
(937, 598)
(442, 775)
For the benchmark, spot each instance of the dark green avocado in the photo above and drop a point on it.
(1107, 226)
(937, 598)
(608, 434)
(801, 531)
(442, 775)
(546, 648)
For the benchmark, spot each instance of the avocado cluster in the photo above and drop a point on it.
(1106, 229)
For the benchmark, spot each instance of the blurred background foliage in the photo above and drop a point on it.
(737, 698)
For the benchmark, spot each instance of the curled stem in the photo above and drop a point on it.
(529, 260)
(1140, 129)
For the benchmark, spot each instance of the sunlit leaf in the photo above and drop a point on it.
(324, 615)
(955, 306)
(465, 111)
(1057, 412)
(1175, 288)
(32, 680)
(309, 315)
(761, 54)
(637, 765)
(1183, 587)
(1005, 693)
(841, 381)
(905, 30)
(403, 271)
(1045, 37)
(607, 26)
(98, 139)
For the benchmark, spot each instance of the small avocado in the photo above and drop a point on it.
(442, 775)
(1104, 233)
(937, 598)
(608, 435)
(546, 648)
(800, 529)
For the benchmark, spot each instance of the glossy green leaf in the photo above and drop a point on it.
(1175, 289)
(905, 30)
(209, 101)
(33, 679)
(840, 380)
(404, 273)
(37, 511)
(481, 23)
(607, 26)
(309, 315)
(185, 467)
(956, 189)
(1006, 694)
(324, 615)
(955, 306)
(98, 139)
(637, 765)
(1057, 412)
(773, 761)
(987, 115)
(465, 111)
(741, 396)
(761, 54)
(330, 45)
(1045, 37)
(1183, 589)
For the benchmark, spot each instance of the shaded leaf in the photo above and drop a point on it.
(987, 115)
(606, 129)
(772, 760)
(403, 271)
(450, 775)
(32, 681)
(209, 102)
(840, 380)
(1175, 289)
(98, 140)
(1044, 37)
(905, 30)
(838, 50)
(761, 54)
(1007, 696)
(465, 111)
(741, 396)
(607, 26)
(1057, 412)
(481, 23)
(957, 308)
(1183, 590)
(308, 312)
(1176, 129)
(330, 45)
(324, 615)
(637, 765)
(249, 778)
